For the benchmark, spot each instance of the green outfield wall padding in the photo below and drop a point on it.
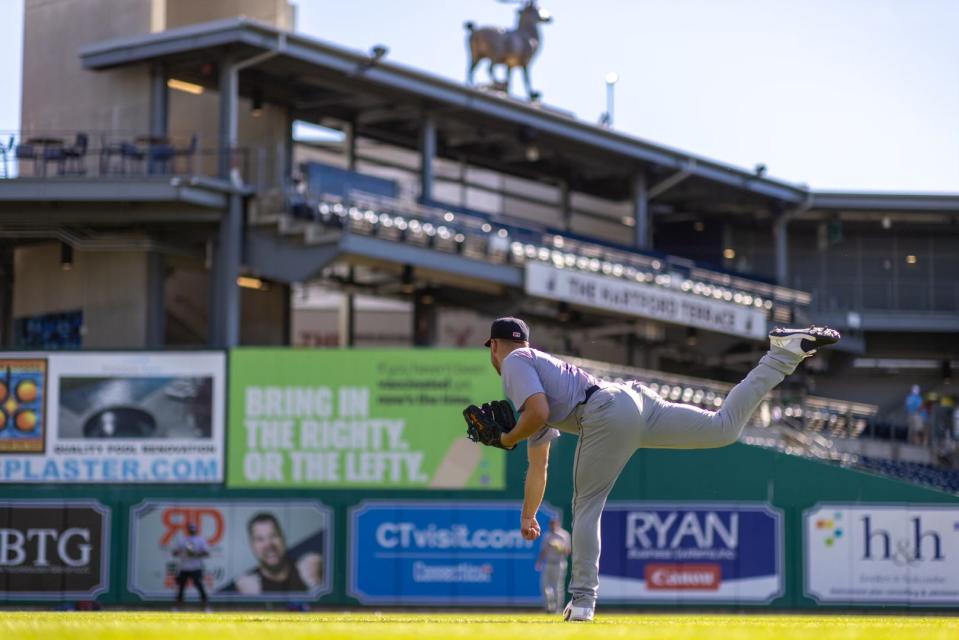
(735, 474)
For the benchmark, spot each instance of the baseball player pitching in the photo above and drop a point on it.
(612, 422)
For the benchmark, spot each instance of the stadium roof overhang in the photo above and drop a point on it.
(130, 201)
(388, 102)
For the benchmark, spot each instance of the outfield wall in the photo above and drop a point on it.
(354, 467)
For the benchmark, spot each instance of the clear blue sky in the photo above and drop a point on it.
(839, 94)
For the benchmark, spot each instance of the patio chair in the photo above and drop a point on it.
(74, 155)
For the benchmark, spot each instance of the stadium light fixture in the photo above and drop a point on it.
(606, 119)
(248, 282)
(184, 86)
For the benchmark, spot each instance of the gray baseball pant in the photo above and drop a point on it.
(552, 582)
(619, 419)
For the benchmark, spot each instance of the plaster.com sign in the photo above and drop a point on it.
(633, 298)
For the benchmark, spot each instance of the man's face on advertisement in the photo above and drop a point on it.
(268, 545)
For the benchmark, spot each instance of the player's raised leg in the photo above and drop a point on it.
(667, 425)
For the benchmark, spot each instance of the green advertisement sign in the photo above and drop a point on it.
(384, 418)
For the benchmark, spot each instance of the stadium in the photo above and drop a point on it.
(246, 276)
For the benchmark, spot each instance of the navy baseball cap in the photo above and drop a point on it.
(508, 329)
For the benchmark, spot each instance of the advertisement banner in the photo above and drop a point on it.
(686, 553)
(882, 554)
(54, 550)
(112, 417)
(644, 300)
(443, 553)
(259, 550)
(343, 419)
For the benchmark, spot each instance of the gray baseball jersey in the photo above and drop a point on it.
(527, 372)
(187, 546)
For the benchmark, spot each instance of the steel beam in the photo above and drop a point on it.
(781, 238)
(276, 258)
(159, 100)
(229, 99)
(427, 153)
(668, 183)
(78, 190)
(641, 217)
(389, 251)
(228, 270)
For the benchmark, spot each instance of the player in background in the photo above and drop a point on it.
(190, 550)
(612, 422)
(554, 548)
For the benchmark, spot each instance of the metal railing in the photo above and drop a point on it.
(117, 154)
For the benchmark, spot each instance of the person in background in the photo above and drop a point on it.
(551, 563)
(914, 411)
(190, 550)
(943, 443)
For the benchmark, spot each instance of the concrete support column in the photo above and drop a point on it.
(643, 222)
(155, 301)
(347, 328)
(781, 241)
(427, 153)
(159, 101)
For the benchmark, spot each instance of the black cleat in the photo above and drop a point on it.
(803, 342)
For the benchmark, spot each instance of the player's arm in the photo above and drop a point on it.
(534, 414)
(538, 461)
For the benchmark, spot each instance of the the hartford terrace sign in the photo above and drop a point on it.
(643, 300)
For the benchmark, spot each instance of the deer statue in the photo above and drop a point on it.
(513, 48)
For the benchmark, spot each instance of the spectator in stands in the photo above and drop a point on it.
(914, 416)
(943, 443)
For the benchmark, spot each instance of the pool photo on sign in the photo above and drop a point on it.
(142, 407)
(117, 417)
(22, 398)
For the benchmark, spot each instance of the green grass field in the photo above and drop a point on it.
(489, 626)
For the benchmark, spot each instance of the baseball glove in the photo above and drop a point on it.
(487, 425)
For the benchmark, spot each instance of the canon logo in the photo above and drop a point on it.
(703, 577)
(40, 545)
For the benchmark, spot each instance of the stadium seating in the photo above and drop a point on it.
(503, 241)
(920, 473)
